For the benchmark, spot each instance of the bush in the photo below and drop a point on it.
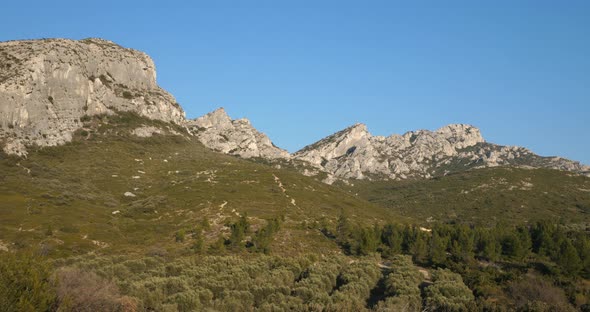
(532, 292)
(179, 236)
(402, 287)
(25, 283)
(78, 290)
(449, 293)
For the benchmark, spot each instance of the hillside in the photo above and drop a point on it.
(112, 191)
(485, 196)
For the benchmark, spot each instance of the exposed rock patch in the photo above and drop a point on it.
(146, 131)
(3, 246)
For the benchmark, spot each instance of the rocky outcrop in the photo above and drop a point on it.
(219, 132)
(354, 153)
(47, 86)
(493, 155)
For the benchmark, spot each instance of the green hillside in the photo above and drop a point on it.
(117, 222)
(485, 196)
(71, 199)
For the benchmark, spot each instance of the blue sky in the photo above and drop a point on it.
(301, 70)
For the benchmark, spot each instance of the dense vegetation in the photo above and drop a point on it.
(526, 267)
(232, 283)
(451, 267)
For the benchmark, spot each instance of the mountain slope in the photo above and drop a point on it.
(112, 191)
(485, 196)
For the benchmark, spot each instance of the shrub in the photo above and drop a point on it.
(127, 95)
(532, 292)
(180, 235)
(78, 290)
(25, 283)
(187, 301)
(448, 293)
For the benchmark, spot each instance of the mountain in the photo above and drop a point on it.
(111, 200)
(96, 157)
(219, 132)
(48, 86)
(354, 153)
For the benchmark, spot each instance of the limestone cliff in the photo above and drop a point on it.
(47, 86)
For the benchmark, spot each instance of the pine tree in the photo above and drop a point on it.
(516, 243)
(582, 244)
(419, 248)
(368, 241)
(569, 260)
(391, 236)
(263, 238)
(239, 231)
(488, 245)
(463, 243)
(343, 231)
(198, 243)
(437, 251)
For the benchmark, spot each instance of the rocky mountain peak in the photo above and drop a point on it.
(47, 86)
(354, 154)
(461, 135)
(218, 131)
(335, 145)
(358, 128)
(217, 118)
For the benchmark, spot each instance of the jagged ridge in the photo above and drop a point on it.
(47, 87)
(354, 153)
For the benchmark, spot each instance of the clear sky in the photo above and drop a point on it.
(301, 70)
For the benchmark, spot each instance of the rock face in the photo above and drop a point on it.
(47, 86)
(354, 153)
(219, 132)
